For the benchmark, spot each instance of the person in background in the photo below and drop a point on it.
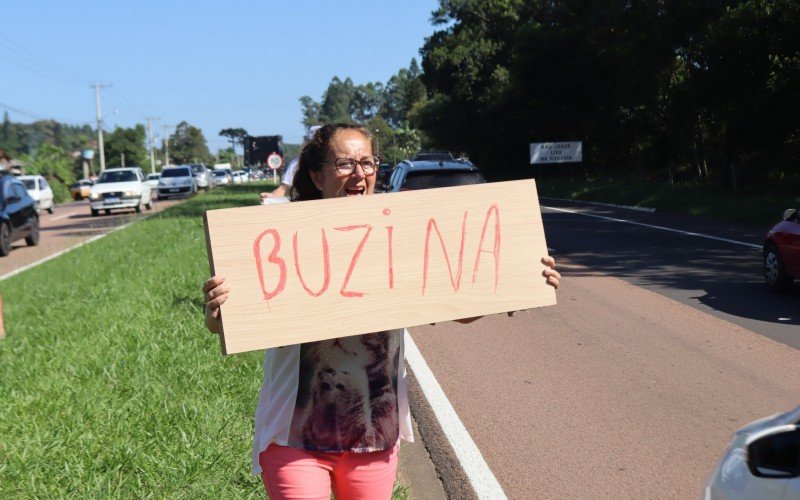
(286, 184)
(331, 413)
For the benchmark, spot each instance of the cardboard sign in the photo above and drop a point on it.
(315, 270)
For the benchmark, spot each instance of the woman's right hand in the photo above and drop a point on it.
(215, 293)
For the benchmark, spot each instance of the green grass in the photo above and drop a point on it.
(110, 385)
(756, 206)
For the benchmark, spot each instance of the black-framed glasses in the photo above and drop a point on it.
(346, 166)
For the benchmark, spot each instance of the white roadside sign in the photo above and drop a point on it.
(556, 152)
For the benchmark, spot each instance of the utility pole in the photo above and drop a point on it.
(166, 143)
(97, 87)
(122, 158)
(150, 142)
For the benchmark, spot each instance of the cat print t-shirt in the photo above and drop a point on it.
(345, 394)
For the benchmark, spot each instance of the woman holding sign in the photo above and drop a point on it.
(331, 413)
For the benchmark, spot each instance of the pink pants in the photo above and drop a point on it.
(291, 473)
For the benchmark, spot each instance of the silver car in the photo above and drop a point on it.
(762, 461)
(176, 182)
(202, 176)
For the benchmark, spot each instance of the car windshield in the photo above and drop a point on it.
(29, 183)
(117, 176)
(153, 177)
(176, 172)
(220, 173)
(441, 178)
(196, 169)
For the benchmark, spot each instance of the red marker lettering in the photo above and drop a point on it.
(274, 259)
(495, 248)
(326, 261)
(349, 293)
(457, 281)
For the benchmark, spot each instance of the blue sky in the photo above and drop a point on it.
(214, 64)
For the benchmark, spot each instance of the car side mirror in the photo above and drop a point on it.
(777, 454)
(789, 214)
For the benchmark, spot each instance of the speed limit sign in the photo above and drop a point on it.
(274, 161)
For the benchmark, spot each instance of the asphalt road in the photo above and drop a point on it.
(69, 225)
(661, 346)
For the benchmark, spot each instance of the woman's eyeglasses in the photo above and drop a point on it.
(346, 166)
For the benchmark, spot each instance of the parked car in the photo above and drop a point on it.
(152, 180)
(236, 175)
(202, 176)
(782, 252)
(383, 176)
(425, 174)
(176, 182)
(81, 189)
(120, 188)
(223, 176)
(18, 216)
(39, 190)
(762, 461)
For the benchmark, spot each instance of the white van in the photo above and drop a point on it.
(40, 191)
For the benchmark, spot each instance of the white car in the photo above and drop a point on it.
(120, 188)
(40, 191)
(762, 461)
(222, 176)
(177, 181)
(152, 180)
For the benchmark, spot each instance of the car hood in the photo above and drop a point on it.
(35, 194)
(109, 187)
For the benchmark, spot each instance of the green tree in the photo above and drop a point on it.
(188, 145)
(56, 165)
(129, 142)
(235, 135)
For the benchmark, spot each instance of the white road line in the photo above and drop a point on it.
(662, 228)
(62, 252)
(60, 217)
(472, 462)
(628, 207)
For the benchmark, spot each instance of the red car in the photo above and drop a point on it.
(782, 252)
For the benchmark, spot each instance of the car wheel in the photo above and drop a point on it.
(50, 210)
(149, 205)
(5, 240)
(138, 208)
(774, 273)
(33, 239)
(95, 212)
(107, 211)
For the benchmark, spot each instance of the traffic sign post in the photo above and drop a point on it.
(274, 161)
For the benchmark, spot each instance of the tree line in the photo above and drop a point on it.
(675, 89)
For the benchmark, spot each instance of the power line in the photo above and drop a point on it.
(30, 56)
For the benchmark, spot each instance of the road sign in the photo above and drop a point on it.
(274, 161)
(556, 152)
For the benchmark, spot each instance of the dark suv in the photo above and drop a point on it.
(426, 174)
(18, 217)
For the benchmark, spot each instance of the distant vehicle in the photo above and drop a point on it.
(433, 156)
(383, 175)
(152, 180)
(176, 182)
(782, 252)
(120, 188)
(81, 189)
(202, 176)
(223, 175)
(40, 191)
(425, 174)
(18, 216)
(762, 461)
(237, 177)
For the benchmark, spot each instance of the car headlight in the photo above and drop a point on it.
(130, 194)
(94, 196)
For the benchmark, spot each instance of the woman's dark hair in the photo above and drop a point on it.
(313, 153)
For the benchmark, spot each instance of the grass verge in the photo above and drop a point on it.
(756, 206)
(110, 386)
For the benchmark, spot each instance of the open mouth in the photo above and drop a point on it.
(354, 191)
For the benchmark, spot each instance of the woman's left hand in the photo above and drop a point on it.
(553, 276)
